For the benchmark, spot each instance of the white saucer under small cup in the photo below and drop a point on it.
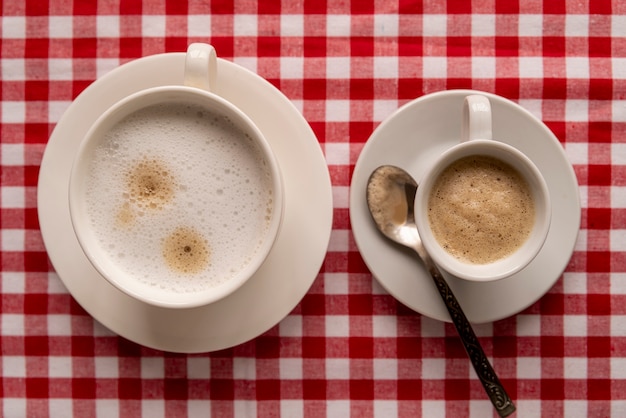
(411, 138)
(289, 269)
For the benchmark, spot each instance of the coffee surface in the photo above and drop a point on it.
(178, 197)
(481, 209)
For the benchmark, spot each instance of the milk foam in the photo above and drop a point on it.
(481, 209)
(213, 196)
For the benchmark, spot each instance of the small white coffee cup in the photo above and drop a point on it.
(175, 195)
(477, 251)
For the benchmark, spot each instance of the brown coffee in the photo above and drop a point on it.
(481, 209)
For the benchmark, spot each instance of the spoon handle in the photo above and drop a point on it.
(498, 396)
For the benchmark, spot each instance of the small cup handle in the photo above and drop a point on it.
(476, 118)
(201, 66)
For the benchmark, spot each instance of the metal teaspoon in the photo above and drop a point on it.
(390, 197)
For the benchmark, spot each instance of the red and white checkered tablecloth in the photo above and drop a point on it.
(348, 348)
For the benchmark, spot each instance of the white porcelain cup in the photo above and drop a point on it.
(473, 229)
(175, 195)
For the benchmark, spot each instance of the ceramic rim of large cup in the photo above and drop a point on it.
(511, 264)
(86, 236)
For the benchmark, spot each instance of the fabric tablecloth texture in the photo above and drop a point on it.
(348, 348)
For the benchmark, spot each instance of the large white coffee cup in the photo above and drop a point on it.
(483, 208)
(175, 195)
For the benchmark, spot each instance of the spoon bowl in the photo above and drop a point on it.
(390, 198)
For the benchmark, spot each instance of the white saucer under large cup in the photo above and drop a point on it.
(290, 268)
(411, 138)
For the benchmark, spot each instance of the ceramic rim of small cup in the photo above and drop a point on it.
(509, 265)
(79, 217)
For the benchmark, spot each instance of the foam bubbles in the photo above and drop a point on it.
(179, 171)
(186, 251)
(481, 209)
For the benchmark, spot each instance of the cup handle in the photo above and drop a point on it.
(476, 118)
(201, 66)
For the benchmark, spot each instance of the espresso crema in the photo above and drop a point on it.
(481, 209)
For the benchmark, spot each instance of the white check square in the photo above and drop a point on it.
(108, 26)
(13, 27)
(338, 25)
(337, 368)
(386, 67)
(339, 241)
(483, 25)
(530, 25)
(383, 408)
(291, 67)
(109, 408)
(244, 368)
(619, 111)
(245, 25)
(337, 110)
(618, 197)
(618, 26)
(577, 152)
(106, 367)
(577, 110)
(435, 25)
(575, 367)
(337, 153)
(13, 112)
(292, 25)
(336, 283)
(385, 369)
(338, 67)
(61, 27)
(577, 67)
(12, 154)
(152, 408)
(530, 67)
(60, 69)
(341, 196)
(290, 368)
(528, 368)
(60, 408)
(59, 366)
(384, 326)
(386, 25)
(59, 324)
(483, 67)
(575, 325)
(574, 283)
(576, 25)
(12, 324)
(618, 368)
(435, 67)
(433, 408)
(433, 368)
(338, 408)
(14, 366)
(13, 239)
(199, 25)
(337, 325)
(13, 69)
(153, 25)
